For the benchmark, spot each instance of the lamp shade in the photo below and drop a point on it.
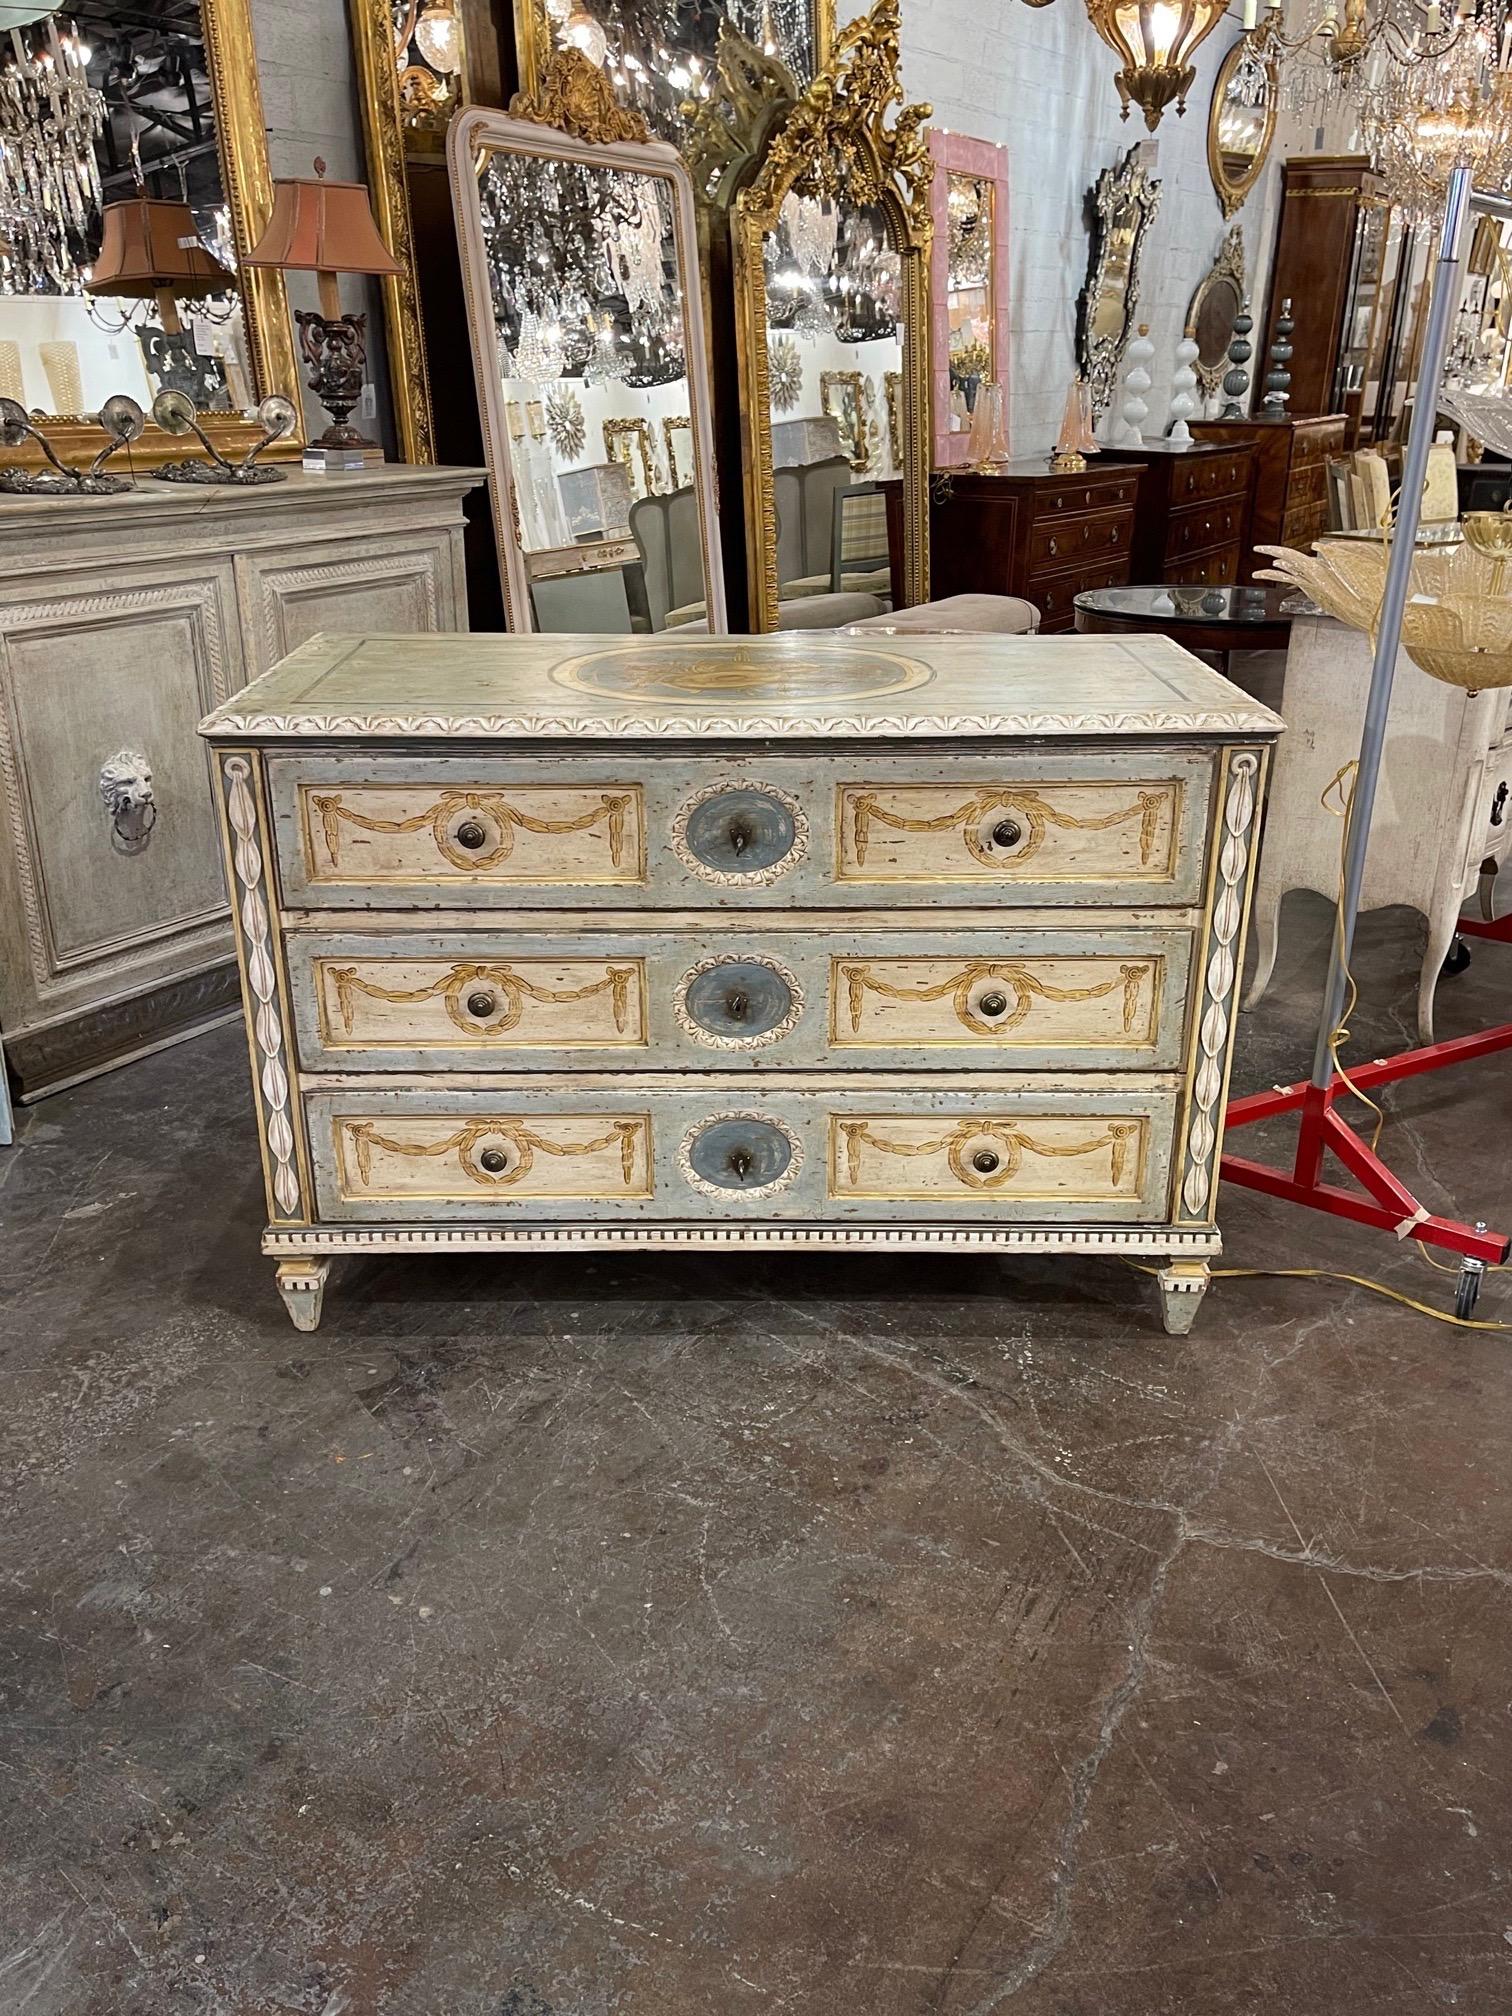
(147, 246)
(322, 227)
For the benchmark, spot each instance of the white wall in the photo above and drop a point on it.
(1039, 80)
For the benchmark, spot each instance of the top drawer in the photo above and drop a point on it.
(1124, 826)
(1105, 493)
(1210, 476)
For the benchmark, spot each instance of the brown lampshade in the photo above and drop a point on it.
(150, 247)
(322, 227)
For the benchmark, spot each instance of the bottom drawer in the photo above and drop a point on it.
(986, 1147)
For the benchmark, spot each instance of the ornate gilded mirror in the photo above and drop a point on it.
(830, 242)
(659, 55)
(578, 260)
(1213, 310)
(1242, 118)
(968, 283)
(1123, 205)
(133, 180)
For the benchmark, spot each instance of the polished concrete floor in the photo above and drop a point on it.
(694, 1637)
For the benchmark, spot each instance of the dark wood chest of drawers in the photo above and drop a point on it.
(1026, 532)
(1193, 510)
(1289, 500)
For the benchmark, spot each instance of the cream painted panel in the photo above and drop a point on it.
(504, 1002)
(1121, 830)
(538, 832)
(1086, 1001)
(988, 1158)
(407, 1159)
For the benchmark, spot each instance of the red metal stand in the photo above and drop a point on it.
(1382, 1200)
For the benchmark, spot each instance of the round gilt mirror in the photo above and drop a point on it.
(1242, 119)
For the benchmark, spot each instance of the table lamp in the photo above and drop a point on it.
(151, 250)
(326, 228)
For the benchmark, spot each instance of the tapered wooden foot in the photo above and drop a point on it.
(1183, 1283)
(302, 1284)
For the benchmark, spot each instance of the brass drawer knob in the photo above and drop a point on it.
(984, 1161)
(1007, 833)
(993, 1004)
(471, 833)
(481, 1004)
(494, 1160)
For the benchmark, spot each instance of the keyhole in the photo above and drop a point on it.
(993, 1004)
(494, 1160)
(984, 1161)
(737, 1006)
(740, 836)
(740, 1164)
(471, 834)
(480, 1004)
(1498, 804)
(1007, 833)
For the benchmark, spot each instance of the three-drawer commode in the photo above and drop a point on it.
(806, 941)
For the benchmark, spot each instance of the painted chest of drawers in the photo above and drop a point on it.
(794, 941)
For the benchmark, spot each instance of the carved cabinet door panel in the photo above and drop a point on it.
(401, 583)
(110, 876)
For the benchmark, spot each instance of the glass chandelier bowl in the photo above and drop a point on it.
(1457, 626)
(1155, 44)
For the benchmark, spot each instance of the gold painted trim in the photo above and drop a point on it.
(383, 136)
(836, 381)
(850, 1135)
(620, 437)
(633, 1137)
(1027, 986)
(861, 802)
(506, 975)
(318, 802)
(1231, 193)
(835, 143)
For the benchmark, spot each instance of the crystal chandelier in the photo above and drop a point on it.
(1423, 120)
(811, 232)
(50, 118)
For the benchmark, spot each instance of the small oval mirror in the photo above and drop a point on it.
(174, 412)
(13, 422)
(122, 418)
(276, 416)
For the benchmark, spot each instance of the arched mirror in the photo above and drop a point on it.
(1123, 205)
(584, 309)
(1242, 118)
(1213, 310)
(968, 284)
(133, 180)
(830, 246)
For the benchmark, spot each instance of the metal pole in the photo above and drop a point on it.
(1442, 307)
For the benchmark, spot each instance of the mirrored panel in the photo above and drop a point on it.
(588, 347)
(126, 170)
(1123, 204)
(1242, 117)
(968, 284)
(659, 56)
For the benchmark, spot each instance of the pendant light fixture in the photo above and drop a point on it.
(1155, 42)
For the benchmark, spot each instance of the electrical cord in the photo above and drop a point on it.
(1354, 1280)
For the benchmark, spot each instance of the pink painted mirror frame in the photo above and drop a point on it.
(958, 154)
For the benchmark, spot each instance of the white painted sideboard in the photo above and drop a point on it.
(1442, 812)
(122, 620)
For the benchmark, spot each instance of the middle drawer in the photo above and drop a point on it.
(651, 994)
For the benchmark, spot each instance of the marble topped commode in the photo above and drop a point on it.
(790, 941)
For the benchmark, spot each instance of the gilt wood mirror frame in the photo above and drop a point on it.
(1242, 118)
(1123, 205)
(1213, 310)
(835, 148)
(590, 131)
(969, 204)
(246, 192)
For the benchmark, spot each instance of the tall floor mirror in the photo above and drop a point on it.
(830, 243)
(579, 259)
(133, 179)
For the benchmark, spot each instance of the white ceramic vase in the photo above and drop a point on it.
(1183, 389)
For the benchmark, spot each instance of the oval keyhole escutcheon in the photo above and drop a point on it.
(740, 1155)
(738, 1003)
